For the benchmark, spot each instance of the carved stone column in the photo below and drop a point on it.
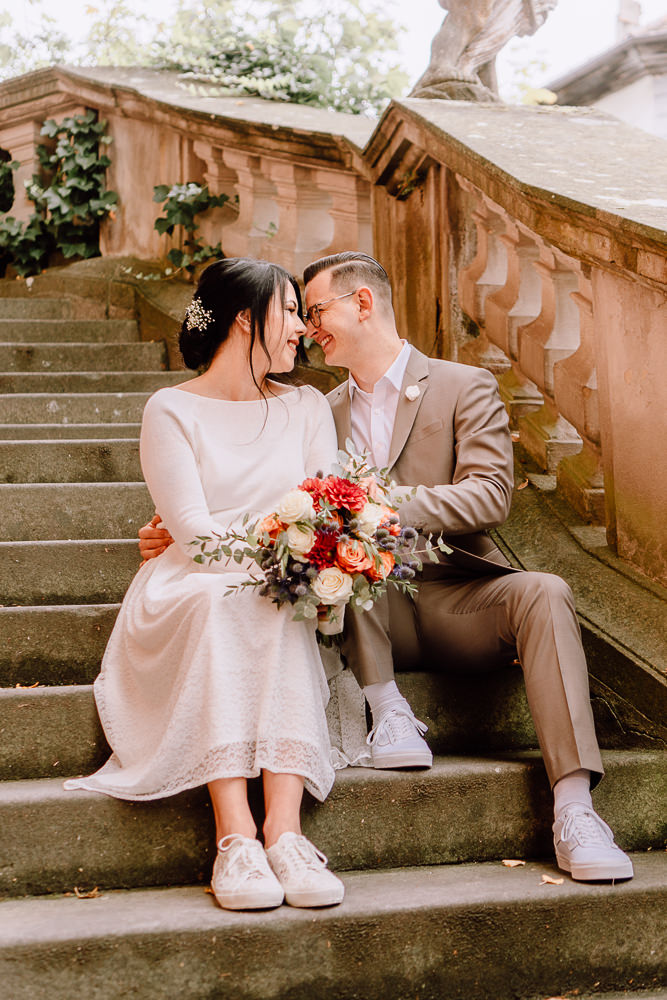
(259, 213)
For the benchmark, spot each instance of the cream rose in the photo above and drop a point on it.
(300, 540)
(332, 586)
(297, 505)
(370, 516)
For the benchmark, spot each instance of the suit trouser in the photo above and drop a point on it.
(465, 622)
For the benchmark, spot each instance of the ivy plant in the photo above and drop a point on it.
(7, 168)
(69, 195)
(181, 204)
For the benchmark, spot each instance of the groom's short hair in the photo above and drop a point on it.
(350, 267)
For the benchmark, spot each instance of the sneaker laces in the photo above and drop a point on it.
(242, 853)
(397, 724)
(587, 827)
(300, 852)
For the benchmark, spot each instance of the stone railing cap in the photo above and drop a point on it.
(166, 87)
(578, 157)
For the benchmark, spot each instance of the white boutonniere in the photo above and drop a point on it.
(412, 392)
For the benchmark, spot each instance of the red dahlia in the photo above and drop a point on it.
(323, 552)
(343, 493)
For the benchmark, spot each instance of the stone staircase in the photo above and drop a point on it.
(106, 899)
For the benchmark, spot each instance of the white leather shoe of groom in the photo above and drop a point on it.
(397, 741)
(585, 847)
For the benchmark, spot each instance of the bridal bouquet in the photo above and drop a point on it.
(333, 540)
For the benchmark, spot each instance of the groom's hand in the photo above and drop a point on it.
(153, 541)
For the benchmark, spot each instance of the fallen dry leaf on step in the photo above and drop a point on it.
(81, 894)
(27, 687)
(548, 880)
(208, 889)
(522, 485)
(515, 436)
(510, 863)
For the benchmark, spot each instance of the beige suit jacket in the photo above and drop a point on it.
(453, 443)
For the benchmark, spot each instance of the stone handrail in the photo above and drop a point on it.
(526, 240)
(531, 242)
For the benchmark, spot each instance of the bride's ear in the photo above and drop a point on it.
(243, 319)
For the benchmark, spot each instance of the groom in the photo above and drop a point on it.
(442, 426)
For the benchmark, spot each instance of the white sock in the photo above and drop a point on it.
(382, 697)
(575, 787)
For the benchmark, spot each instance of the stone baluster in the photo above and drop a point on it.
(350, 210)
(516, 304)
(486, 273)
(551, 337)
(580, 477)
(220, 179)
(259, 213)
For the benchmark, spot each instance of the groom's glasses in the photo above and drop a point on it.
(313, 314)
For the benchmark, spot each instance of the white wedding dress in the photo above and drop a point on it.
(196, 685)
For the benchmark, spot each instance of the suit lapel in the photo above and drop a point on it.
(416, 377)
(339, 401)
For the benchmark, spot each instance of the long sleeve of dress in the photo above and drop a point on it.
(171, 472)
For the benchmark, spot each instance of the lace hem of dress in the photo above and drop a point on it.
(232, 760)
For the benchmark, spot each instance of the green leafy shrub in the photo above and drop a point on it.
(69, 196)
(182, 203)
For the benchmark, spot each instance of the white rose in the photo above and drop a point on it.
(412, 392)
(300, 540)
(297, 505)
(332, 586)
(369, 517)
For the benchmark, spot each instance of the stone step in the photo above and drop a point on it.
(24, 308)
(54, 644)
(67, 330)
(455, 932)
(133, 356)
(66, 461)
(72, 408)
(40, 512)
(41, 432)
(78, 572)
(87, 382)
(446, 704)
(463, 809)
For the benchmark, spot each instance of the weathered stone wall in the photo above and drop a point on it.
(530, 241)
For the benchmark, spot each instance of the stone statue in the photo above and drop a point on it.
(471, 36)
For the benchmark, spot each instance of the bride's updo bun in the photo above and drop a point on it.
(225, 289)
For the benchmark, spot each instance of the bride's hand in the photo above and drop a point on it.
(153, 541)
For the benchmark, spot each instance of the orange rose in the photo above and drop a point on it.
(393, 529)
(271, 526)
(386, 565)
(351, 557)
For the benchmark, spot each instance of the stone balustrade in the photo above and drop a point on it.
(543, 246)
(525, 240)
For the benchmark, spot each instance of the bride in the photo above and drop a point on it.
(195, 687)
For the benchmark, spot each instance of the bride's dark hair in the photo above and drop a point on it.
(226, 288)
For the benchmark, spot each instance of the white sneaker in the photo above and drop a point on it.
(242, 878)
(585, 846)
(302, 872)
(397, 741)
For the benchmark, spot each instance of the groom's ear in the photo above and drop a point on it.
(365, 302)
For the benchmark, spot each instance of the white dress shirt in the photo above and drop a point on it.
(372, 414)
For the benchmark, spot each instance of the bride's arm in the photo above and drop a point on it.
(170, 469)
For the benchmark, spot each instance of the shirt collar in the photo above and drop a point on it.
(394, 374)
